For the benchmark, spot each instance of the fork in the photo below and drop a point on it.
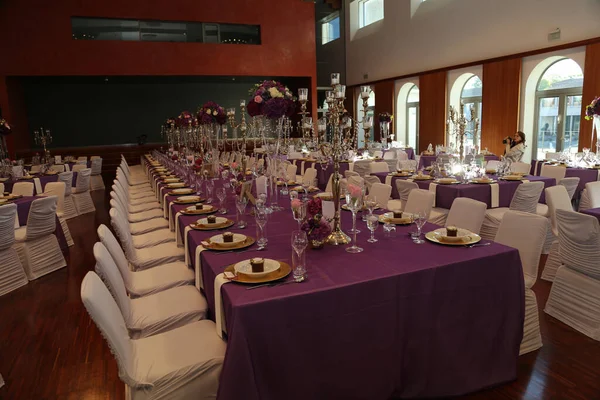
(478, 245)
(259, 248)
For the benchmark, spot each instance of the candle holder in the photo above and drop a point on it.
(456, 125)
(43, 137)
(367, 121)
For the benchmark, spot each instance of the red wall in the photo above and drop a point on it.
(35, 39)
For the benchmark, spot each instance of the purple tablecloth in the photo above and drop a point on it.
(585, 175)
(44, 179)
(426, 161)
(422, 321)
(445, 194)
(23, 206)
(595, 212)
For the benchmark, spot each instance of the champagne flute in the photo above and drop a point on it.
(299, 211)
(420, 219)
(210, 186)
(372, 224)
(221, 195)
(370, 204)
(261, 217)
(240, 205)
(354, 201)
(299, 244)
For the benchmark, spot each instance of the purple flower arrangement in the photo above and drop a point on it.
(316, 226)
(593, 109)
(386, 117)
(186, 119)
(211, 113)
(170, 122)
(271, 99)
(5, 128)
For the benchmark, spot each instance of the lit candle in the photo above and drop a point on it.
(242, 103)
(340, 91)
(303, 94)
(365, 92)
(335, 79)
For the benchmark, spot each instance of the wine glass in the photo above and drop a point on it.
(299, 211)
(370, 204)
(240, 205)
(199, 182)
(261, 217)
(299, 244)
(372, 224)
(210, 186)
(221, 195)
(354, 202)
(420, 219)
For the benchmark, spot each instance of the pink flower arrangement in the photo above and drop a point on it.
(211, 113)
(316, 226)
(186, 119)
(296, 203)
(271, 99)
(354, 190)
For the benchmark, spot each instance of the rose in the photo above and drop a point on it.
(273, 92)
(254, 109)
(198, 161)
(174, 157)
(355, 191)
(215, 113)
(258, 99)
(234, 165)
(296, 203)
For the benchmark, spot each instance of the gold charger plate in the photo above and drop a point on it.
(401, 175)
(383, 218)
(483, 182)
(246, 243)
(422, 178)
(289, 183)
(437, 235)
(199, 212)
(283, 271)
(212, 227)
(454, 182)
(200, 200)
(191, 191)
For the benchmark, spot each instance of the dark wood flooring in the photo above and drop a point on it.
(50, 348)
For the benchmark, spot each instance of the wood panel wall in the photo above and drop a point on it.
(591, 89)
(432, 108)
(384, 102)
(500, 98)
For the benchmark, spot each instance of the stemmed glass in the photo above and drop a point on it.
(240, 205)
(372, 224)
(370, 203)
(354, 202)
(210, 186)
(299, 211)
(221, 195)
(261, 218)
(199, 181)
(299, 244)
(420, 219)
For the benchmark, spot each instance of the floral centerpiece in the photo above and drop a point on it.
(386, 117)
(170, 122)
(5, 128)
(186, 119)
(592, 109)
(211, 113)
(271, 99)
(316, 226)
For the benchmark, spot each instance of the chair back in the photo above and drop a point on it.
(492, 164)
(557, 198)
(376, 166)
(526, 197)
(23, 189)
(41, 220)
(520, 167)
(56, 189)
(291, 173)
(525, 232)
(553, 171)
(122, 229)
(593, 193)
(401, 155)
(57, 159)
(404, 188)
(420, 200)
(579, 242)
(96, 166)
(83, 180)
(36, 168)
(381, 192)
(570, 184)
(102, 308)
(378, 153)
(409, 165)
(356, 180)
(348, 174)
(108, 271)
(67, 178)
(552, 156)
(79, 167)
(466, 213)
(57, 168)
(82, 158)
(310, 176)
(370, 180)
(390, 155)
(17, 171)
(92, 158)
(8, 215)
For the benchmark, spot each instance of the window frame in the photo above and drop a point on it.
(361, 13)
(327, 20)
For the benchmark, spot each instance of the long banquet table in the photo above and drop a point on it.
(585, 175)
(445, 194)
(422, 321)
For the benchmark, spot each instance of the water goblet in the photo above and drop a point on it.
(222, 195)
(293, 195)
(354, 202)
(261, 218)
(299, 211)
(240, 205)
(420, 219)
(370, 204)
(299, 244)
(210, 186)
(372, 224)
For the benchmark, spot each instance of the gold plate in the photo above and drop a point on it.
(171, 193)
(200, 200)
(212, 227)
(12, 197)
(401, 174)
(454, 182)
(383, 219)
(246, 243)
(289, 183)
(436, 237)
(422, 178)
(199, 212)
(483, 182)
(283, 271)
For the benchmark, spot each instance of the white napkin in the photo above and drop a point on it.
(433, 189)
(220, 280)
(495, 191)
(179, 240)
(328, 209)
(388, 180)
(302, 168)
(535, 171)
(166, 207)
(198, 267)
(351, 166)
(525, 180)
(172, 221)
(38, 186)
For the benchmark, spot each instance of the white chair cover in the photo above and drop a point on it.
(402, 155)
(492, 164)
(579, 242)
(82, 158)
(291, 173)
(570, 184)
(404, 188)
(520, 167)
(96, 181)
(357, 180)
(12, 275)
(58, 189)
(70, 211)
(149, 239)
(23, 189)
(81, 195)
(348, 174)
(467, 214)
(184, 363)
(557, 198)
(407, 165)
(57, 168)
(389, 155)
(526, 232)
(92, 158)
(378, 153)
(37, 246)
(590, 196)
(370, 180)
(18, 171)
(552, 156)
(381, 192)
(379, 167)
(420, 200)
(79, 167)
(552, 171)
(310, 176)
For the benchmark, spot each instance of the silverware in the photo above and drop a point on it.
(272, 284)
(478, 245)
(259, 248)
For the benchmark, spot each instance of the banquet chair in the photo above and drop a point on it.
(553, 171)
(153, 280)
(357, 180)
(407, 165)
(375, 167)
(184, 363)
(526, 232)
(291, 173)
(57, 168)
(402, 155)
(148, 257)
(370, 180)
(81, 193)
(82, 158)
(23, 189)
(36, 243)
(404, 188)
(18, 171)
(134, 191)
(390, 155)
(590, 196)
(492, 165)
(136, 207)
(520, 167)
(58, 189)
(137, 198)
(378, 153)
(134, 180)
(525, 199)
(140, 223)
(154, 313)
(35, 168)
(382, 193)
(570, 184)
(420, 200)
(79, 167)
(92, 158)
(12, 275)
(557, 199)
(467, 214)
(310, 176)
(348, 174)
(552, 156)
(1, 189)
(70, 211)
(575, 295)
(149, 239)
(96, 181)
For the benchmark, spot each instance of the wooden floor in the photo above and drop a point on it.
(50, 349)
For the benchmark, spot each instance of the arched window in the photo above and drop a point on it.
(558, 109)
(360, 116)
(412, 118)
(470, 96)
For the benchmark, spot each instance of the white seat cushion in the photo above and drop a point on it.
(145, 215)
(157, 255)
(153, 238)
(542, 209)
(139, 228)
(160, 278)
(143, 200)
(143, 207)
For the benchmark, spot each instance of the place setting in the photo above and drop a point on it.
(211, 223)
(229, 242)
(198, 209)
